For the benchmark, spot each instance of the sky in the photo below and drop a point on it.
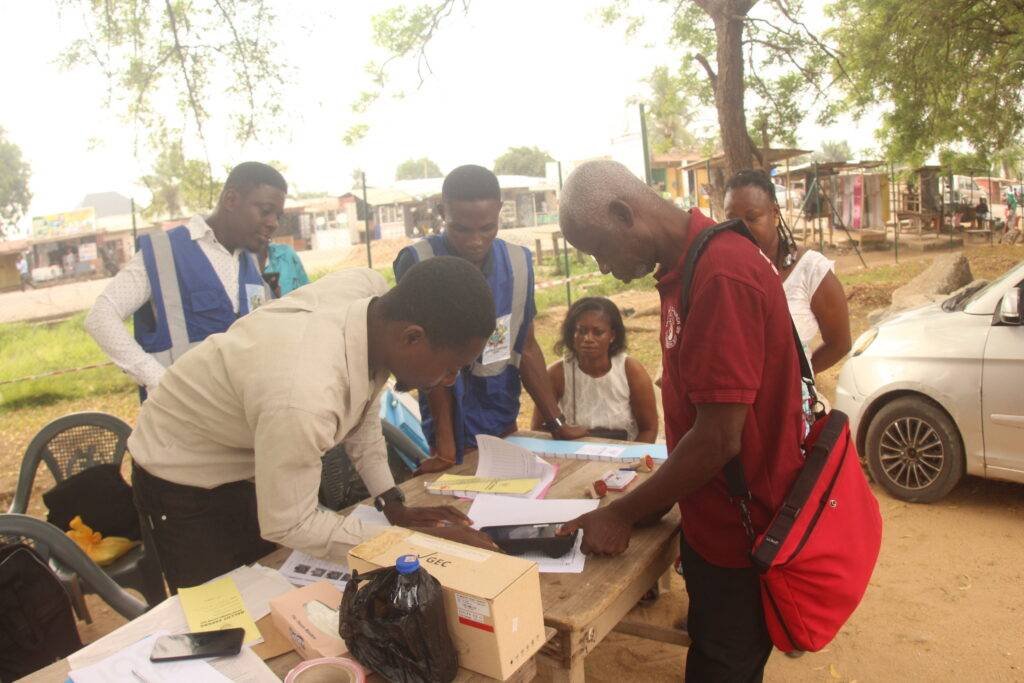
(528, 72)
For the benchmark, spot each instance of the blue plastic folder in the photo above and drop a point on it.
(572, 449)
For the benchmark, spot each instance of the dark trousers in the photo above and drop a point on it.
(198, 534)
(725, 622)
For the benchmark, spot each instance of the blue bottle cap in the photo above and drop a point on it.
(407, 564)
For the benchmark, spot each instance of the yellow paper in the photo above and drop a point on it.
(459, 482)
(217, 605)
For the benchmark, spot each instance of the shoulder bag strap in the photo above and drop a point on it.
(733, 470)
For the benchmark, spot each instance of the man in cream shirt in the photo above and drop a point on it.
(227, 448)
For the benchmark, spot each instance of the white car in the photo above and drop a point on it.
(938, 391)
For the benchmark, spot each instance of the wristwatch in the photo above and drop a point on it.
(392, 495)
(554, 424)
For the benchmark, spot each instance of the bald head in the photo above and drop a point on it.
(590, 190)
(609, 213)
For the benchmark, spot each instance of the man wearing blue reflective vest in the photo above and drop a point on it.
(192, 281)
(485, 399)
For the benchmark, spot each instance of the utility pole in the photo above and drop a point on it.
(366, 224)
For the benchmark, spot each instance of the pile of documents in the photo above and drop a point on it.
(503, 468)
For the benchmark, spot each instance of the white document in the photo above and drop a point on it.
(257, 584)
(132, 664)
(302, 569)
(601, 451)
(245, 667)
(500, 459)
(488, 510)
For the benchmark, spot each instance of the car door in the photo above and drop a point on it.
(1002, 402)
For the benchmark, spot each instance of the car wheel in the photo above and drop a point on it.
(914, 450)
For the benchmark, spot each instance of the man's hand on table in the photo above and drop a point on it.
(605, 531)
(569, 432)
(435, 515)
(440, 459)
(434, 463)
(442, 521)
(461, 534)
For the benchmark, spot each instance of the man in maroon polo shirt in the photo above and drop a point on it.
(730, 388)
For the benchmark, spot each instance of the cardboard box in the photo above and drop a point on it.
(291, 616)
(492, 600)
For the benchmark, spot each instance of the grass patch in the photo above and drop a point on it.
(35, 349)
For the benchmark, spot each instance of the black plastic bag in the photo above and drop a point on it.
(395, 624)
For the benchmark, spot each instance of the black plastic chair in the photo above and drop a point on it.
(340, 483)
(69, 445)
(53, 545)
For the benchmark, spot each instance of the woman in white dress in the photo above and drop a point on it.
(816, 298)
(597, 385)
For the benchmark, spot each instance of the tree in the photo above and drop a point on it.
(166, 60)
(413, 169)
(178, 184)
(773, 54)
(951, 71)
(530, 161)
(671, 108)
(14, 193)
(833, 150)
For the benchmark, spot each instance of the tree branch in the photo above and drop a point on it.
(712, 76)
(192, 98)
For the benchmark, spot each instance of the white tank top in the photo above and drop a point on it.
(800, 286)
(600, 401)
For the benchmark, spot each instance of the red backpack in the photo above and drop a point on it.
(817, 554)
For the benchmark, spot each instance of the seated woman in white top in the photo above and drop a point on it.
(597, 385)
(816, 298)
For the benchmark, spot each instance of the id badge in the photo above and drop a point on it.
(499, 346)
(256, 295)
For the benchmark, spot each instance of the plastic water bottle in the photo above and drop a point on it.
(406, 595)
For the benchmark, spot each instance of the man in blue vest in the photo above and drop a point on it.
(485, 399)
(192, 281)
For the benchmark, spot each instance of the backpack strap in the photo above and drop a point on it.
(733, 470)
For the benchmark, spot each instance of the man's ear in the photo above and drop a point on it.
(412, 335)
(621, 213)
(229, 199)
(442, 211)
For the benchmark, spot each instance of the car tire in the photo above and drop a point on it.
(914, 450)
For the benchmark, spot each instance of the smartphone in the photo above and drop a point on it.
(222, 643)
(272, 280)
(523, 538)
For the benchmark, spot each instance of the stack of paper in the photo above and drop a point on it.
(505, 462)
(504, 511)
(218, 605)
(463, 486)
(589, 450)
(257, 585)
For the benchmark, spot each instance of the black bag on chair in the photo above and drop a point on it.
(37, 626)
(100, 496)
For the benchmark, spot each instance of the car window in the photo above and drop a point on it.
(997, 283)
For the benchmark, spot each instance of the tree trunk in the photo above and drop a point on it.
(729, 89)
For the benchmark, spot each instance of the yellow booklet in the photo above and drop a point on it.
(456, 484)
(217, 605)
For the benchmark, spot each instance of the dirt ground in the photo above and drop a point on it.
(946, 602)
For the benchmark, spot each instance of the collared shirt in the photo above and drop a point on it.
(128, 291)
(735, 346)
(266, 399)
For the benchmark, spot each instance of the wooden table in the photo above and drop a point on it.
(579, 609)
(282, 664)
(584, 608)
